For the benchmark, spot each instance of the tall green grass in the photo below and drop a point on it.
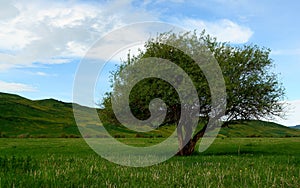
(256, 162)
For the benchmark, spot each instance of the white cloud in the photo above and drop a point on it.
(292, 114)
(15, 87)
(64, 17)
(54, 32)
(225, 30)
(115, 45)
(76, 49)
(41, 74)
(7, 10)
(12, 38)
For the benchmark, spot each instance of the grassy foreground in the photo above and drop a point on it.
(229, 162)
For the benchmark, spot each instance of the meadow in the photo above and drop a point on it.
(229, 162)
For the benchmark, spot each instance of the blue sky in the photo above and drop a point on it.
(42, 43)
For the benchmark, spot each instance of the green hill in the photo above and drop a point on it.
(256, 128)
(296, 127)
(21, 117)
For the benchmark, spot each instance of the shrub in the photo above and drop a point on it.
(74, 136)
(138, 135)
(119, 136)
(63, 135)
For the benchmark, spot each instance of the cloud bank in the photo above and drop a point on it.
(224, 30)
(44, 32)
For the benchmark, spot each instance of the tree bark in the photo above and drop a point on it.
(180, 138)
(189, 148)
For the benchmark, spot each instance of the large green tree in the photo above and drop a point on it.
(252, 90)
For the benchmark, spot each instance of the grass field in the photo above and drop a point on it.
(229, 162)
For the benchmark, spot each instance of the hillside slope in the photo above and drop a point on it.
(258, 129)
(296, 127)
(21, 117)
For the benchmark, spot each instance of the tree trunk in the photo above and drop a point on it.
(180, 137)
(189, 148)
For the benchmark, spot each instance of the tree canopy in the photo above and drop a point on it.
(252, 89)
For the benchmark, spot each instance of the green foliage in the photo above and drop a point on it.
(253, 91)
(256, 162)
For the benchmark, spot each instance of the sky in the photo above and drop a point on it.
(43, 42)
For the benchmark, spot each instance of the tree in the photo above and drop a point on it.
(253, 91)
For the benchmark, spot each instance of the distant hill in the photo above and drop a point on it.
(256, 128)
(21, 117)
(296, 127)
